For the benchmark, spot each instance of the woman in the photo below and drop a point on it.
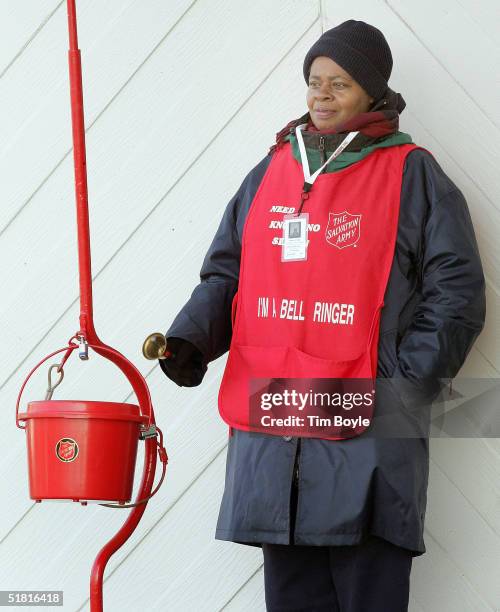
(339, 520)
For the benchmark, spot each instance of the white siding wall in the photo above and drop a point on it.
(182, 98)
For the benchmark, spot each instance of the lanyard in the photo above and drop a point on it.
(308, 178)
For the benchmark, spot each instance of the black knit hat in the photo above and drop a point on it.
(361, 50)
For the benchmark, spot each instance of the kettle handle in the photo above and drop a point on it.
(69, 348)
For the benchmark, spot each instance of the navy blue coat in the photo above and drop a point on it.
(434, 310)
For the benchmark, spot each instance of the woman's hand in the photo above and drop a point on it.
(187, 366)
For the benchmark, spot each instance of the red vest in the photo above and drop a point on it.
(317, 318)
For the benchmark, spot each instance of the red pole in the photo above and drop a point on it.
(86, 315)
(80, 164)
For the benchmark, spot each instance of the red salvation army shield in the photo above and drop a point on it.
(66, 449)
(343, 229)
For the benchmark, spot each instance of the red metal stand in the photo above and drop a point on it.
(87, 330)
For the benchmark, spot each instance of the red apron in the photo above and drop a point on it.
(317, 318)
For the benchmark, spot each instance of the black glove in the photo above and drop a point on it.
(187, 365)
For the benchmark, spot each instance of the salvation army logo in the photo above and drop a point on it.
(66, 450)
(343, 229)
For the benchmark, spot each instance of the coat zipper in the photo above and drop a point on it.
(322, 150)
(294, 493)
(296, 464)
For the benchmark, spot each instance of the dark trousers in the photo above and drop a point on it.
(373, 576)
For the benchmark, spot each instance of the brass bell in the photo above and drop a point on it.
(155, 347)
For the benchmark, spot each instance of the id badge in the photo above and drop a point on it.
(294, 247)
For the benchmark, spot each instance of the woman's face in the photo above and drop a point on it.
(333, 96)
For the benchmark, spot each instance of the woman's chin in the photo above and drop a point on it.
(325, 124)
